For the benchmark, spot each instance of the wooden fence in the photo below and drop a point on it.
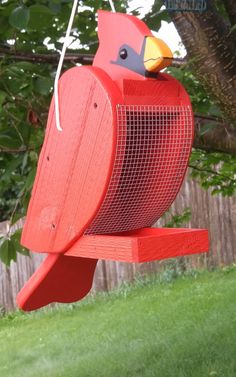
(216, 213)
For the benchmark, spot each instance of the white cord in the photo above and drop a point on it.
(59, 67)
(58, 73)
(112, 6)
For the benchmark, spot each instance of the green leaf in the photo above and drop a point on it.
(22, 250)
(10, 168)
(40, 10)
(10, 140)
(233, 28)
(208, 127)
(4, 251)
(15, 218)
(156, 15)
(2, 97)
(179, 219)
(19, 17)
(40, 17)
(30, 179)
(7, 251)
(11, 251)
(42, 85)
(15, 238)
(55, 7)
(5, 141)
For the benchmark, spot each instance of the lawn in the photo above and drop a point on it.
(184, 327)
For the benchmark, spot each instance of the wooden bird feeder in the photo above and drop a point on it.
(115, 168)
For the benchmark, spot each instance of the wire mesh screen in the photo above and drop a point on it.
(186, 5)
(152, 151)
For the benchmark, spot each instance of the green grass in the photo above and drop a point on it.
(185, 327)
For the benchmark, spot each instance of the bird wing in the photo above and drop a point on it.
(75, 164)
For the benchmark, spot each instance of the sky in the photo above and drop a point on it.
(167, 31)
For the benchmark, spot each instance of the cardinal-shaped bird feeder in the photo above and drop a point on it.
(114, 169)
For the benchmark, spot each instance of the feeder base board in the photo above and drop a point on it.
(142, 245)
(63, 279)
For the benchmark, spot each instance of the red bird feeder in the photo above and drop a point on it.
(115, 168)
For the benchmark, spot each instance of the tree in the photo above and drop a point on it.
(30, 38)
(210, 39)
(210, 76)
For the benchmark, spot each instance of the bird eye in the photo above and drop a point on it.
(123, 53)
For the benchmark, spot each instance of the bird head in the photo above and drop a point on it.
(128, 49)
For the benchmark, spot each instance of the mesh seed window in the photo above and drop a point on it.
(186, 5)
(153, 145)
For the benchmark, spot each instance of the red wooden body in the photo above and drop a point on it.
(116, 167)
(75, 165)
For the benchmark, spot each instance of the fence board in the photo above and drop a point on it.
(216, 213)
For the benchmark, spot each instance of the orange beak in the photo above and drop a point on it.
(157, 55)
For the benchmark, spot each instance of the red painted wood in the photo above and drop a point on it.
(69, 277)
(75, 165)
(115, 30)
(164, 90)
(142, 245)
(58, 279)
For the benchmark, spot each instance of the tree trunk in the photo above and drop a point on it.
(211, 44)
(221, 137)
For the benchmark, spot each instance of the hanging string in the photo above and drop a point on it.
(112, 6)
(59, 67)
(58, 73)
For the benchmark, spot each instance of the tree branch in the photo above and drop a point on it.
(220, 138)
(53, 58)
(210, 171)
(15, 150)
(45, 58)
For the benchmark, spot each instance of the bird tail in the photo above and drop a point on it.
(58, 279)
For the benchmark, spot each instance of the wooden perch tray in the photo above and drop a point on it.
(142, 245)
